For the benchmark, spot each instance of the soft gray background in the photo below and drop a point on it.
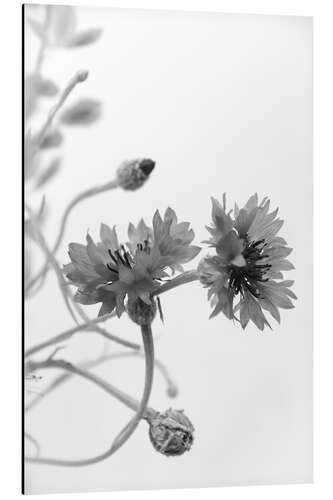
(222, 103)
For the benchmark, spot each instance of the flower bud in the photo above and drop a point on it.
(171, 433)
(140, 312)
(132, 174)
(82, 75)
(172, 391)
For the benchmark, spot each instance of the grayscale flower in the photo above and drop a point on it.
(110, 272)
(248, 263)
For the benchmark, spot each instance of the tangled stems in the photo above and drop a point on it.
(141, 410)
(172, 389)
(41, 275)
(66, 296)
(182, 279)
(86, 326)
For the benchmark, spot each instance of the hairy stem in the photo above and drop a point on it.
(141, 408)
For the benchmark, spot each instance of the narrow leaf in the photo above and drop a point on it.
(84, 37)
(83, 112)
(50, 172)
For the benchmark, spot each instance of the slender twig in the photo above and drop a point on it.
(34, 441)
(62, 283)
(78, 199)
(43, 245)
(79, 77)
(83, 327)
(83, 371)
(172, 389)
(141, 409)
(43, 43)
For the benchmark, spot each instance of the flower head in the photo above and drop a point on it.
(110, 272)
(171, 432)
(248, 263)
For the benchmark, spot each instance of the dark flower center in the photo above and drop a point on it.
(123, 256)
(246, 277)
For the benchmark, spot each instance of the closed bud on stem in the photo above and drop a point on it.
(140, 312)
(171, 432)
(82, 75)
(132, 174)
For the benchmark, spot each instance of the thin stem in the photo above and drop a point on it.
(79, 77)
(172, 389)
(141, 409)
(71, 369)
(42, 47)
(69, 333)
(42, 243)
(34, 441)
(182, 279)
(78, 199)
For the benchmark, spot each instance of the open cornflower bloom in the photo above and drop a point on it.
(248, 263)
(109, 272)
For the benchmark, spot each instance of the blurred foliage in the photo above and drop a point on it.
(58, 31)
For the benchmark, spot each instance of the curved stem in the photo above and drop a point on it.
(86, 326)
(172, 389)
(71, 369)
(40, 240)
(78, 199)
(34, 441)
(182, 279)
(79, 77)
(141, 410)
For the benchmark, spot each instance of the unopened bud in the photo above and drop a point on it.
(171, 433)
(140, 312)
(82, 75)
(132, 174)
(172, 391)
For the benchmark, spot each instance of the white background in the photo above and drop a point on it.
(308, 489)
(222, 103)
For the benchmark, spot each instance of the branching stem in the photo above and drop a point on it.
(141, 409)
(85, 326)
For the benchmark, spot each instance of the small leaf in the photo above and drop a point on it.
(52, 140)
(84, 37)
(50, 172)
(45, 87)
(83, 112)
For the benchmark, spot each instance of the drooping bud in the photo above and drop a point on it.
(171, 432)
(132, 174)
(140, 312)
